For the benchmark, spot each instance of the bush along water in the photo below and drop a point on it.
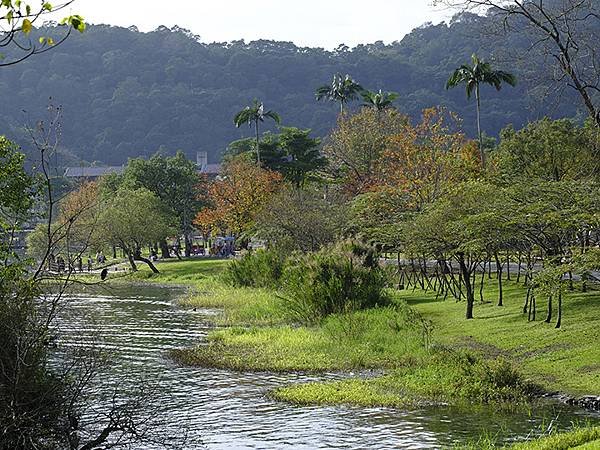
(261, 268)
(337, 279)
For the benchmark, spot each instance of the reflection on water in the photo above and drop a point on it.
(231, 410)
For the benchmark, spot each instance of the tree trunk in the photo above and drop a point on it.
(131, 261)
(549, 315)
(527, 300)
(188, 244)
(150, 264)
(401, 273)
(164, 249)
(257, 143)
(481, 283)
(479, 135)
(559, 319)
(532, 308)
(499, 273)
(508, 265)
(466, 276)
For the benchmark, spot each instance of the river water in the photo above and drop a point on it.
(228, 410)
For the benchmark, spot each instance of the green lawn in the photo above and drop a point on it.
(565, 359)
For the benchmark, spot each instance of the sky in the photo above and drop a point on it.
(313, 23)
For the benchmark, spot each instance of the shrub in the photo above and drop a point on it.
(338, 279)
(261, 268)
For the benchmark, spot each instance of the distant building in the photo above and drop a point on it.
(91, 172)
(211, 170)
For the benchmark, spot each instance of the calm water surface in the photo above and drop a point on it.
(229, 410)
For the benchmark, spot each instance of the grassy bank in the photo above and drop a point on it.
(580, 439)
(393, 338)
(565, 359)
(373, 339)
(444, 376)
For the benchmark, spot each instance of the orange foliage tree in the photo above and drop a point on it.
(423, 159)
(356, 145)
(237, 196)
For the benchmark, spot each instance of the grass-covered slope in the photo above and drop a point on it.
(393, 338)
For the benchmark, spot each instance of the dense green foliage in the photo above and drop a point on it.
(337, 279)
(262, 268)
(128, 94)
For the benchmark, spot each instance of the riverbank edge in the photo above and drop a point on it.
(587, 401)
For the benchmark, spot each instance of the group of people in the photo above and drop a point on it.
(223, 249)
(58, 264)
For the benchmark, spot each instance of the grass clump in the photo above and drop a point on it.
(444, 377)
(262, 268)
(371, 339)
(338, 279)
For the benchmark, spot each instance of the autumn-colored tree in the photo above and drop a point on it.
(74, 228)
(237, 196)
(422, 159)
(354, 147)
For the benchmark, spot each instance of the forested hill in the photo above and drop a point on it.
(127, 93)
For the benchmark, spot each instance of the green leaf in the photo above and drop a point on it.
(47, 6)
(77, 22)
(26, 27)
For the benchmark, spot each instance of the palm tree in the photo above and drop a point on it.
(378, 100)
(342, 89)
(253, 115)
(473, 76)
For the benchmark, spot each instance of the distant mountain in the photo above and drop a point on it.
(127, 93)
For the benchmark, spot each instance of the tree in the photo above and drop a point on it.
(43, 401)
(560, 29)
(17, 193)
(378, 100)
(132, 219)
(176, 182)
(473, 76)
(355, 146)
(451, 229)
(253, 115)
(342, 89)
(378, 216)
(548, 150)
(294, 154)
(296, 219)
(425, 159)
(237, 197)
(17, 20)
